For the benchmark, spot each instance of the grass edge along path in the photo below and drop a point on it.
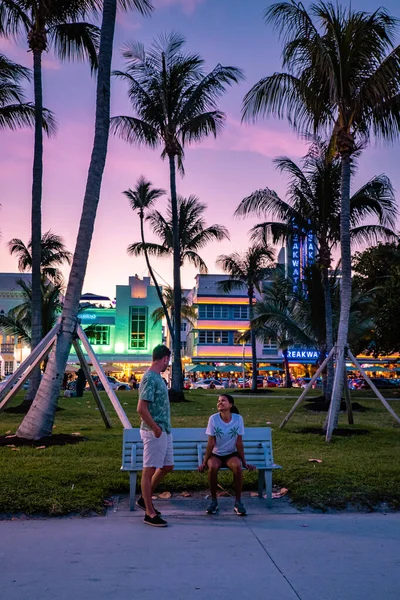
(360, 469)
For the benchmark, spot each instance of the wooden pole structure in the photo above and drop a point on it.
(307, 388)
(110, 392)
(92, 385)
(372, 386)
(349, 410)
(22, 373)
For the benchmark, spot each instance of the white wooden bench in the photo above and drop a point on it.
(189, 448)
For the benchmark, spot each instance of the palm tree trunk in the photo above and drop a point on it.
(288, 382)
(39, 420)
(345, 294)
(329, 330)
(36, 219)
(176, 344)
(253, 350)
(153, 277)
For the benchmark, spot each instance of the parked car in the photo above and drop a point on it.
(304, 381)
(379, 382)
(204, 384)
(247, 383)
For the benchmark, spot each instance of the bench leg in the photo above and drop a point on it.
(132, 489)
(268, 486)
(260, 483)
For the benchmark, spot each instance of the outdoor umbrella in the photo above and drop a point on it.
(112, 369)
(71, 368)
(202, 369)
(377, 370)
(271, 368)
(229, 368)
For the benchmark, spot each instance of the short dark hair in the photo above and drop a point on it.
(160, 351)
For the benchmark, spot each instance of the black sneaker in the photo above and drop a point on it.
(155, 521)
(212, 507)
(140, 503)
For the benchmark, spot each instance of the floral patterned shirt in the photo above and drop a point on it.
(225, 433)
(153, 389)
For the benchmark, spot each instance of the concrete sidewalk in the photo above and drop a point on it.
(282, 554)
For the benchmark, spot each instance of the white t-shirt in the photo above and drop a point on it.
(225, 433)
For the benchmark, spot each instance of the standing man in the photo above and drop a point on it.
(155, 431)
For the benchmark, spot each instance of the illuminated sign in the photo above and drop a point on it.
(301, 354)
(87, 316)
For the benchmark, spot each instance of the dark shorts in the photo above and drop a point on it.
(224, 458)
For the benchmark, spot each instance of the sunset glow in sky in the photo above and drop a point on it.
(220, 172)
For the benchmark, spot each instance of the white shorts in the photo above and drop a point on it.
(157, 452)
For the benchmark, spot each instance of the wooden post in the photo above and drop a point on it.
(110, 392)
(92, 385)
(307, 389)
(373, 387)
(349, 409)
(22, 373)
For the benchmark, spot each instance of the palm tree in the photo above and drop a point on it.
(342, 77)
(39, 420)
(193, 236)
(313, 205)
(18, 321)
(57, 23)
(141, 199)
(14, 111)
(188, 311)
(248, 271)
(175, 103)
(53, 254)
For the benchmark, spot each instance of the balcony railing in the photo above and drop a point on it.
(7, 348)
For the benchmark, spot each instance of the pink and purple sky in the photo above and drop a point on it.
(221, 172)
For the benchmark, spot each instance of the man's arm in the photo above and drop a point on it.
(143, 410)
(240, 451)
(209, 449)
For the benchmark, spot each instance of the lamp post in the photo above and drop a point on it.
(242, 331)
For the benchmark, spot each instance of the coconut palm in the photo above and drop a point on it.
(14, 111)
(248, 271)
(141, 199)
(193, 233)
(39, 420)
(313, 205)
(18, 321)
(342, 78)
(56, 23)
(175, 103)
(53, 254)
(188, 311)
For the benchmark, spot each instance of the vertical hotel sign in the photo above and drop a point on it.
(295, 258)
(303, 255)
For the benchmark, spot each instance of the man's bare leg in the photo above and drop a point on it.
(147, 475)
(159, 476)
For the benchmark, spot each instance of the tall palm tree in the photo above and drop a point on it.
(193, 236)
(342, 78)
(175, 103)
(193, 233)
(56, 23)
(53, 254)
(247, 271)
(188, 311)
(312, 206)
(141, 199)
(39, 420)
(14, 111)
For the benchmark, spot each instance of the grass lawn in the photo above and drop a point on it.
(360, 469)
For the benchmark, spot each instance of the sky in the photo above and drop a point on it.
(220, 172)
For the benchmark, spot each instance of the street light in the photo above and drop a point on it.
(243, 331)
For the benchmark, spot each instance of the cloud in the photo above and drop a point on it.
(188, 6)
(271, 140)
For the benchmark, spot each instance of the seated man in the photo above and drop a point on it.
(225, 449)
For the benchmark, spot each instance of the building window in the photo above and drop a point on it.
(8, 367)
(183, 326)
(98, 335)
(213, 337)
(183, 346)
(138, 333)
(270, 347)
(213, 311)
(240, 312)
